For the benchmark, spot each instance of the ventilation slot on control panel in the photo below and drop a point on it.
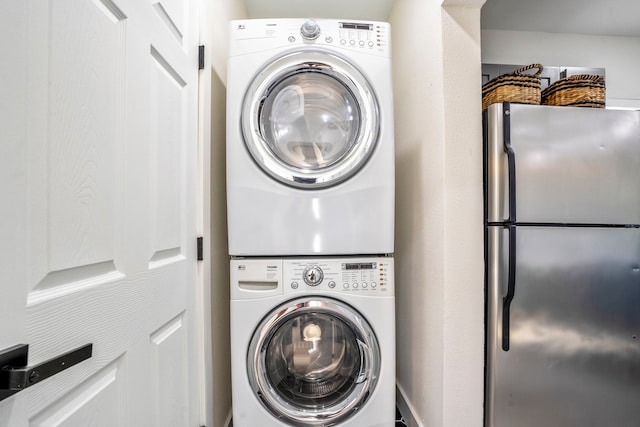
(257, 285)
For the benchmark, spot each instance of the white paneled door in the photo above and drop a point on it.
(98, 128)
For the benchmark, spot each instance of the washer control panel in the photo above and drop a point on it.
(364, 36)
(370, 276)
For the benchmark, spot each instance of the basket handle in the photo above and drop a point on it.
(530, 67)
(591, 77)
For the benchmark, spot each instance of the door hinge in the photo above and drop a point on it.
(201, 57)
(200, 250)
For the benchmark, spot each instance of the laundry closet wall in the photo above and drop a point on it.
(214, 24)
(439, 249)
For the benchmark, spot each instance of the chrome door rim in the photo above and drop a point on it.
(328, 64)
(350, 404)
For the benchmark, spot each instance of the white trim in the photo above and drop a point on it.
(203, 225)
(406, 408)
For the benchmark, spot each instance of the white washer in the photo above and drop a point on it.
(310, 145)
(313, 342)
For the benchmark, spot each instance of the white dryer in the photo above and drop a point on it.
(310, 145)
(313, 342)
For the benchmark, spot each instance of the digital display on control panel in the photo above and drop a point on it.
(355, 26)
(359, 266)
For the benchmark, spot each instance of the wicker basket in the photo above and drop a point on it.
(513, 87)
(584, 90)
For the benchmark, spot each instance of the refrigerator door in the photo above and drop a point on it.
(573, 356)
(570, 165)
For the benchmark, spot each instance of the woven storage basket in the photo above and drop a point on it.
(584, 90)
(513, 87)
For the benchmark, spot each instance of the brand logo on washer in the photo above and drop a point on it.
(272, 267)
(241, 26)
(242, 267)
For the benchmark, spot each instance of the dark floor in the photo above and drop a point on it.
(400, 421)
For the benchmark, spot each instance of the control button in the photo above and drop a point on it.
(291, 39)
(361, 43)
(373, 285)
(310, 30)
(352, 42)
(328, 39)
(364, 285)
(354, 286)
(294, 285)
(313, 275)
(371, 44)
(345, 285)
(343, 41)
(332, 284)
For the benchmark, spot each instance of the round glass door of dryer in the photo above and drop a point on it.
(310, 119)
(313, 362)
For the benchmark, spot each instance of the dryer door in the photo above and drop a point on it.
(310, 119)
(313, 361)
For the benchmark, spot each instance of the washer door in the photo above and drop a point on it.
(310, 119)
(313, 361)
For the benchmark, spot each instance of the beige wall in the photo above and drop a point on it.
(225, 11)
(417, 68)
(439, 246)
(463, 245)
(214, 24)
(219, 257)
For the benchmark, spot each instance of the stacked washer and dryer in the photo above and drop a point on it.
(310, 202)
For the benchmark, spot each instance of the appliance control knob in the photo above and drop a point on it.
(310, 30)
(313, 275)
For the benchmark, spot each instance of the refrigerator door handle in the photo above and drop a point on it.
(511, 162)
(511, 287)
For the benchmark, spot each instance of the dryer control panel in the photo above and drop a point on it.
(264, 277)
(365, 276)
(357, 36)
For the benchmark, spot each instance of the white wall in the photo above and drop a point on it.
(371, 10)
(619, 55)
(417, 52)
(439, 240)
(463, 387)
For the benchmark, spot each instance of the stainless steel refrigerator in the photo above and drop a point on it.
(562, 253)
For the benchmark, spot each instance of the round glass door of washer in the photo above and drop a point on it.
(310, 119)
(313, 361)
